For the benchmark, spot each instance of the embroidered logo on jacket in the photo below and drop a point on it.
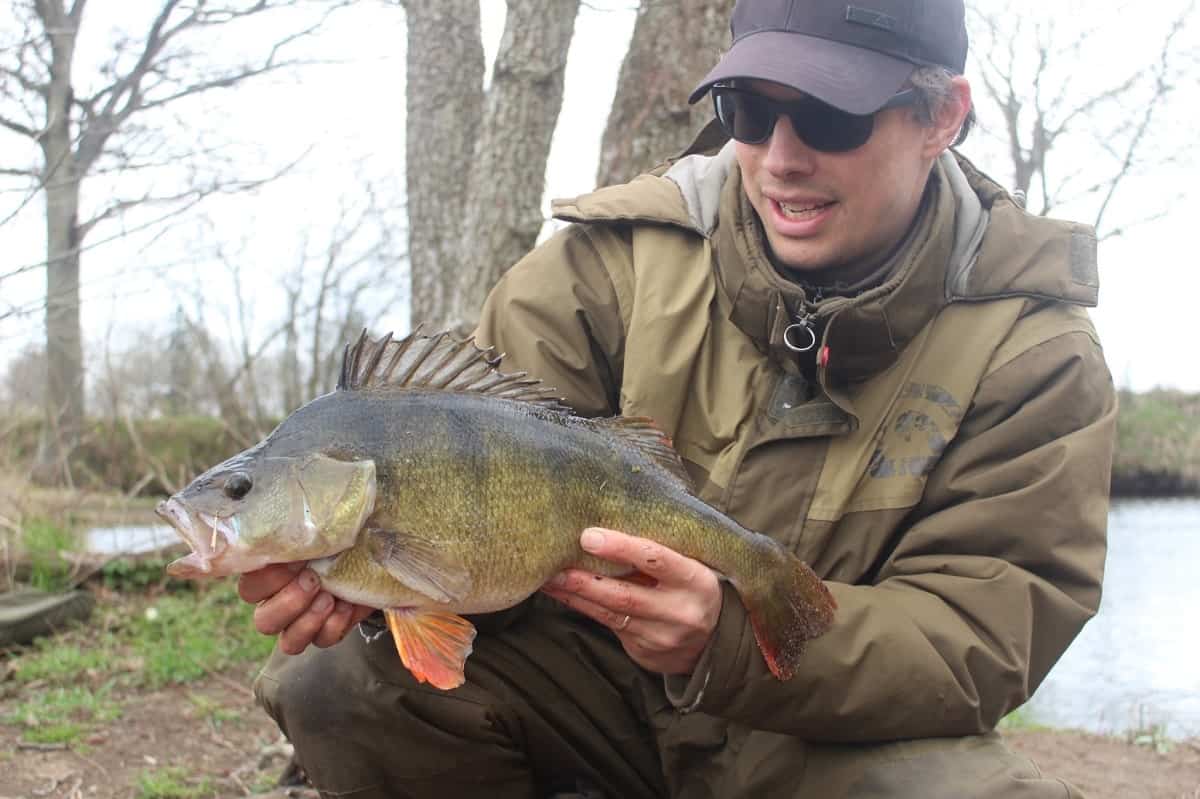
(926, 417)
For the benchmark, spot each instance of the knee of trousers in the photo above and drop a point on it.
(311, 693)
(355, 702)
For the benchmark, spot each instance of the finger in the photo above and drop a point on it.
(280, 610)
(618, 595)
(659, 562)
(257, 585)
(303, 631)
(336, 625)
(595, 611)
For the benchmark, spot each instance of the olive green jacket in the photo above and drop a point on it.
(948, 477)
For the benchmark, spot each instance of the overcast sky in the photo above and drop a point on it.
(349, 118)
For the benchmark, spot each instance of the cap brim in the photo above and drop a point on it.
(851, 78)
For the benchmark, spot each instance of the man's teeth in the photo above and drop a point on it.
(797, 210)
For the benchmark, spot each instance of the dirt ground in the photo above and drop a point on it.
(224, 746)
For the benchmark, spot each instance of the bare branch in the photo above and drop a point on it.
(17, 127)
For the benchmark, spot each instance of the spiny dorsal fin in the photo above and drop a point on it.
(439, 363)
(644, 435)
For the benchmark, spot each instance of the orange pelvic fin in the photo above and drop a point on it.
(433, 646)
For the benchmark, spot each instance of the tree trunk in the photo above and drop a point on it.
(64, 406)
(444, 103)
(504, 196)
(675, 43)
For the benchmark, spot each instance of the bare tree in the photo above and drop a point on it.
(675, 43)
(102, 130)
(341, 282)
(1103, 130)
(476, 160)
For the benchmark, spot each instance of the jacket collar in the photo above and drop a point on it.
(972, 242)
(863, 335)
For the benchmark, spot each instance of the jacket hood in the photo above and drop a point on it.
(972, 242)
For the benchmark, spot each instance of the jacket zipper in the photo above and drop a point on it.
(800, 336)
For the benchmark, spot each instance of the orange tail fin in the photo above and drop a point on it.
(433, 646)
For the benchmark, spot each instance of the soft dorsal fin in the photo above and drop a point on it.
(439, 363)
(642, 434)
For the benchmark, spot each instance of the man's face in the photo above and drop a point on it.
(823, 210)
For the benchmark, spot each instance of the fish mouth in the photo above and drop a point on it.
(209, 537)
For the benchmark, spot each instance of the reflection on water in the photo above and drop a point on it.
(129, 539)
(1137, 663)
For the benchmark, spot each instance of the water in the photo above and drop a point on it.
(129, 539)
(1137, 663)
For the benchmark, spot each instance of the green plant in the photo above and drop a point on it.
(139, 574)
(172, 782)
(1150, 735)
(65, 732)
(44, 542)
(182, 638)
(63, 715)
(1020, 719)
(212, 710)
(60, 662)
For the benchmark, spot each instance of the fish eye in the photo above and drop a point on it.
(238, 485)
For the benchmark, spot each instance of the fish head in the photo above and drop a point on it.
(255, 509)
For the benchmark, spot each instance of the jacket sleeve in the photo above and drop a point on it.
(556, 315)
(995, 572)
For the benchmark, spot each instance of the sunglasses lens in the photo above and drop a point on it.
(745, 117)
(750, 118)
(831, 130)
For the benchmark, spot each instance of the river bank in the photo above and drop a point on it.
(207, 739)
(1158, 445)
(151, 699)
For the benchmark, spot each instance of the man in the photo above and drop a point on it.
(860, 346)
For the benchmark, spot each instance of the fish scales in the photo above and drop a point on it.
(430, 485)
(506, 491)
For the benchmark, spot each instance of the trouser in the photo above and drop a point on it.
(553, 705)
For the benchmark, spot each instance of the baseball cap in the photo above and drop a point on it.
(853, 56)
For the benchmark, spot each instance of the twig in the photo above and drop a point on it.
(240, 687)
(30, 746)
(93, 763)
(54, 783)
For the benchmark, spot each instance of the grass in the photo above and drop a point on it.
(43, 541)
(172, 782)
(64, 683)
(212, 711)
(63, 714)
(1158, 433)
(1020, 719)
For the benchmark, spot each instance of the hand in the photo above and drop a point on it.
(291, 606)
(663, 613)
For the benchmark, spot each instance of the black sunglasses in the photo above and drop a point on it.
(750, 118)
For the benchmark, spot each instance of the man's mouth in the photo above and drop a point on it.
(802, 210)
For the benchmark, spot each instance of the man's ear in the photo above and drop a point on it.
(948, 118)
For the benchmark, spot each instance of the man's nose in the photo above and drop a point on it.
(786, 152)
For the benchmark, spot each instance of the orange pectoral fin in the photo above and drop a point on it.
(433, 646)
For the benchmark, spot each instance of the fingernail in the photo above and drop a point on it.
(559, 580)
(309, 581)
(591, 539)
(322, 603)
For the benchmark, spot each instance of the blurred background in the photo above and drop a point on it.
(202, 202)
